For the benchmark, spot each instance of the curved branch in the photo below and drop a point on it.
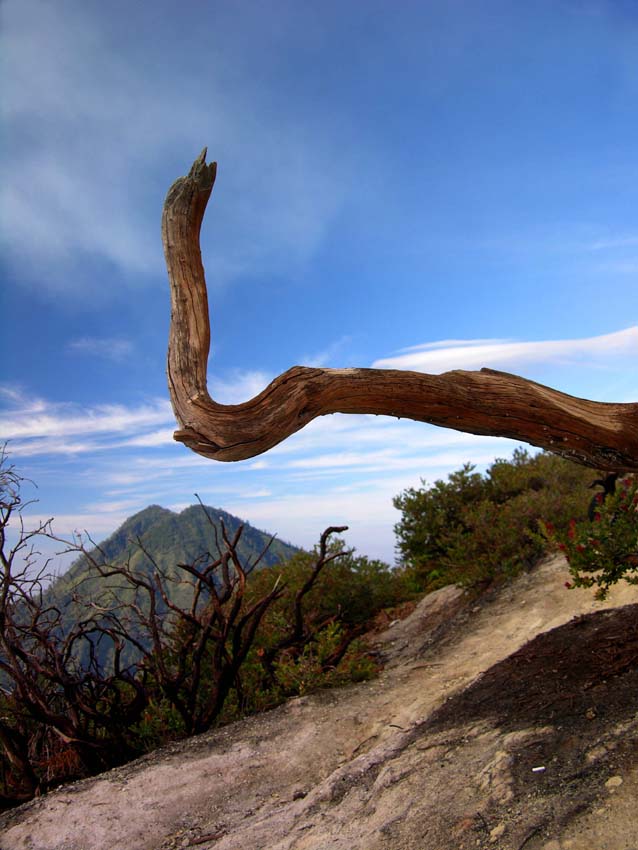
(604, 436)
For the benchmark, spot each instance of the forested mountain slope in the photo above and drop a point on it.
(161, 537)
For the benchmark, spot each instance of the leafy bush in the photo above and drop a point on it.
(326, 651)
(605, 550)
(313, 668)
(475, 529)
(432, 514)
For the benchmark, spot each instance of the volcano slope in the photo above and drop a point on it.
(510, 722)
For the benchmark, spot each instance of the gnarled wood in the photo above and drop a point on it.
(596, 434)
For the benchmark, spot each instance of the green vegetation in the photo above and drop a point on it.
(325, 650)
(154, 540)
(128, 652)
(603, 550)
(181, 622)
(475, 530)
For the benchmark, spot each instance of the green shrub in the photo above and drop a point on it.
(311, 670)
(604, 551)
(476, 529)
(346, 595)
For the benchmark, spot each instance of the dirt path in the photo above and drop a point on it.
(371, 767)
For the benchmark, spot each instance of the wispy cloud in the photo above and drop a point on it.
(38, 426)
(111, 348)
(326, 355)
(616, 254)
(70, 420)
(453, 343)
(613, 242)
(154, 439)
(96, 132)
(473, 354)
(97, 523)
(257, 494)
(238, 386)
(121, 506)
(389, 460)
(620, 267)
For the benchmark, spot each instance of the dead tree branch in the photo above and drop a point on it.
(192, 654)
(601, 435)
(302, 631)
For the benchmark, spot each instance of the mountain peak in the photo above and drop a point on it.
(171, 538)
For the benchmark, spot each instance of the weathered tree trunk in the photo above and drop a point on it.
(604, 436)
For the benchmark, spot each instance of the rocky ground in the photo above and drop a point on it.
(510, 723)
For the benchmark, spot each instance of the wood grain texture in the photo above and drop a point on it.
(601, 435)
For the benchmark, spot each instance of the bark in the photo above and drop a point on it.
(597, 434)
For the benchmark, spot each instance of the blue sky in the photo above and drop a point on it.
(424, 185)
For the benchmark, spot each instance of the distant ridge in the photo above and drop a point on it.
(172, 537)
(168, 538)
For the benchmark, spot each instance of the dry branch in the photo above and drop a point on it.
(604, 436)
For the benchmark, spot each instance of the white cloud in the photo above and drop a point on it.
(347, 437)
(155, 439)
(37, 426)
(303, 504)
(621, 267)
(97, 133)
(473, 354)
(67, 420)
(121, 506)
(111, 348)
(50, 446)
(98, 523)
(392, 460)
(327, 355)
(613, 242)
(343, 459)
(453, 343)
(17, 397)
(303, 520)
(237, 386)
(41, 418)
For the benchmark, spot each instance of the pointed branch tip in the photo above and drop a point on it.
(202, 173)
